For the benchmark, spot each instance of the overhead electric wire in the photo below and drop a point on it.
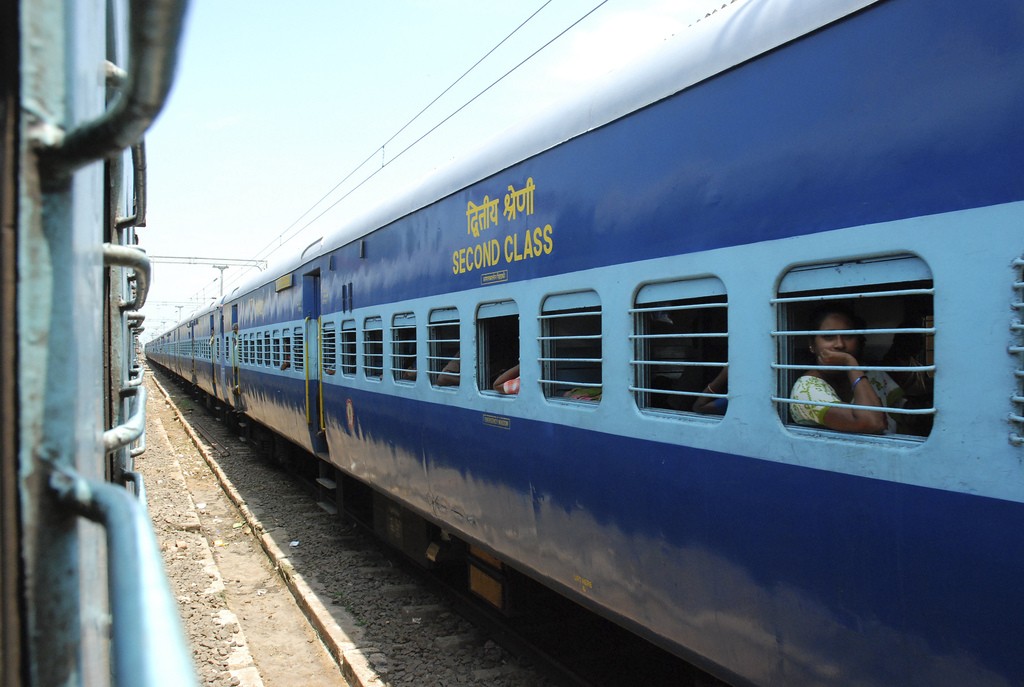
(403, 128)
(443, 121)
(280, 239)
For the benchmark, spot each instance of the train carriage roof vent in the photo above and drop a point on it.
(315, 247)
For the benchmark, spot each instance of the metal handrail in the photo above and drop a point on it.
(139, 449)
(305, 366)
(136, 258)
(155, 33)
(135, 376)
(139, 185)
(320, 366)
(138, 485)
(126, 433)
(148, 641)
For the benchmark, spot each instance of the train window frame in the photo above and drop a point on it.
(286, 348)
(275, 355)
(894, 296)
(299, 348)
(373, 348)
(496, 322)
(559, 314)
(1016, 418)
(349, 348)
(267, 348)
(699, 333)
(444, 346)
(403, 347)
(328, 347)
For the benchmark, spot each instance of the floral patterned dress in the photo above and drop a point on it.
(810, 388)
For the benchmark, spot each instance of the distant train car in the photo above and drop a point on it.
(84, 599)
(652, 259)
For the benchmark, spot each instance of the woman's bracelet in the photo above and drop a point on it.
(856, 382)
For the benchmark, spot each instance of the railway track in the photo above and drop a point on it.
(408, 625)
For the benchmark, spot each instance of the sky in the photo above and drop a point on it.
(276, 105)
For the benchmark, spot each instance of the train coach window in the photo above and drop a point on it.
(373, 348)
(328, 347)
(403, 347)
(680, 346)
(571, 358)
(286, 349)
(266, 348)
(275, 357)
(444, 351)
(497, 341)
(298, 348)
(888, 306)
(348, 347)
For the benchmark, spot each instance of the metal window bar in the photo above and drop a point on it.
(885, 409)
(677, 363)
(849, 332)
(675, 308)
(681, 335)
(863, 368)
(403, 362)
(1016, 416)
(348, 348)
(680, 363)
(298, 348)
(565, 382)
(373, 350)
(438, 362)
(565, 315)
(329, 348)
(639, 364)
(850, 296)
(552, 343)
(786, 334)
(575, 337)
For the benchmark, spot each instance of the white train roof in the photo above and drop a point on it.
(734, 32)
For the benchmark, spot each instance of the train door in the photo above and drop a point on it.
(222, 354)
(235, 389)
(214, 354)
(311, 354)
(192, 347)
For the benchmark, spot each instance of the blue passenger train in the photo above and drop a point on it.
(83, 596)
(657, 249)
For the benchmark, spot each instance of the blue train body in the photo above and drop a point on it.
(864, 152)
